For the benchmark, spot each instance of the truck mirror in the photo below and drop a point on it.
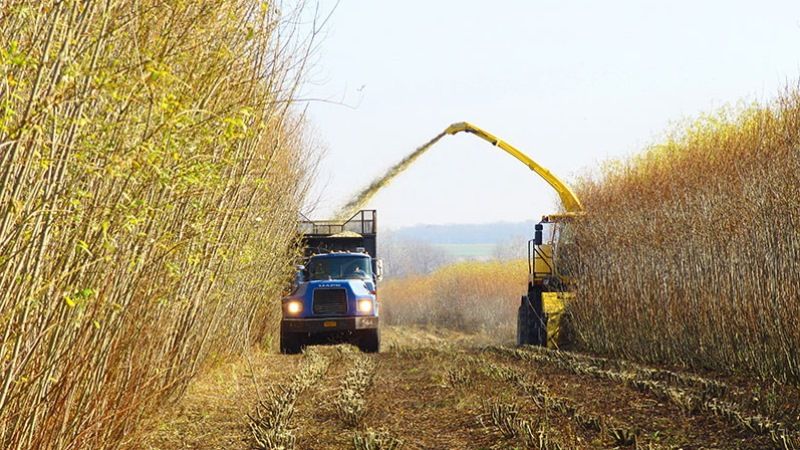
(379, 269)
(537, 234)
(300, 274)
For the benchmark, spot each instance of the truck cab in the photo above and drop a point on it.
(334, 298)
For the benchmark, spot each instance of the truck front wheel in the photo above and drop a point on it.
(370, 341)
(291, 343)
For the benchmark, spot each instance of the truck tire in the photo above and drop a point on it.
(291, 343)
(531, 321)
(370, 341)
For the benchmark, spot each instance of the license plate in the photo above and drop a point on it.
(329, 324)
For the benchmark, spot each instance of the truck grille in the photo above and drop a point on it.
(330, 301)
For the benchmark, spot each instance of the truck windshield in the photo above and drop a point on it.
(339, 268)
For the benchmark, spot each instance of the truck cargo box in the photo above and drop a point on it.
(325, 236)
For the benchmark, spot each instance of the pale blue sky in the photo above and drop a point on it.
(571, 83)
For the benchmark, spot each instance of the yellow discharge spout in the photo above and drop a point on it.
(568, 198)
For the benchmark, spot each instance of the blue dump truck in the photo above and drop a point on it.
(335, 295)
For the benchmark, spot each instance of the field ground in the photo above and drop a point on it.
(444, 390)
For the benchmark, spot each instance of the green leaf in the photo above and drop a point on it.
(84, 246)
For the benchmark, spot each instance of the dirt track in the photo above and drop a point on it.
(450, 391)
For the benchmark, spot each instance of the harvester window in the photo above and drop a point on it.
(564, 244)
(565, 233)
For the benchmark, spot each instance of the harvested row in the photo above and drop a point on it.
(688, 400)
(351, 406)
(350, 403)
(499, 414)
(375, 440)
(577, 409)
(333, 416)
(706, 385)
(270, 424)
(413, 400)
(621, 433)
(505, 416)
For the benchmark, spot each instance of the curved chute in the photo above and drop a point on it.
(568, 198)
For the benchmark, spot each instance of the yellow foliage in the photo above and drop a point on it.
(140, 142)
(468, 296)
(688, 253)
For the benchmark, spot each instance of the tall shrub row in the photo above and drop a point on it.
(151, 168)
(690, 253)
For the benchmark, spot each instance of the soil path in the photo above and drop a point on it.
(442, 390)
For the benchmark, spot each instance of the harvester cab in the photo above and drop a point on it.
(552, 240)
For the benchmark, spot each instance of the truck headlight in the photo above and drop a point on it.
(365, 305)
(294, 307)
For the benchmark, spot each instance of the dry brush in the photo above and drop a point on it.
(469, 296)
